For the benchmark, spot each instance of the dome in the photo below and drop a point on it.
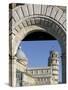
(20, 54)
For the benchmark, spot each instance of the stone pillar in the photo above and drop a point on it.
(63, 68)
(12, 71)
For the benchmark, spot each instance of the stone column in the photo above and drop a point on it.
(12, 71)
(63, 68)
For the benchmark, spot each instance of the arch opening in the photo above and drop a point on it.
(35, 45)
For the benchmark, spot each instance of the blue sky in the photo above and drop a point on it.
(37, 52)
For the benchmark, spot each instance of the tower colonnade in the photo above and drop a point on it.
(54, 63)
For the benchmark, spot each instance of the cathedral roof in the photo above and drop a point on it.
(20, 54)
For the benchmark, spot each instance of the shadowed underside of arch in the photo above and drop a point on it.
(27, 18)
(38, 35)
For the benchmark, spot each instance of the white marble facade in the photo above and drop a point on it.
(26, 76)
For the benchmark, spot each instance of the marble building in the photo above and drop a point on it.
(26, 76)
(28, 18)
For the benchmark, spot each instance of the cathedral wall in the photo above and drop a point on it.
(20, 67)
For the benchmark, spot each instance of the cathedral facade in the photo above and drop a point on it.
(26, 76)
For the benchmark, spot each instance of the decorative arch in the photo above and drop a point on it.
(27, 18)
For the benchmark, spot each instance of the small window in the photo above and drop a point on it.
(52, 55)
(32, 72)
(47, 71)
(41, 71)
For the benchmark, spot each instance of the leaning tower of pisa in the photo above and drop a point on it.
(54, 63)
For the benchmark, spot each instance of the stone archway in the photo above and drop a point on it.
(28, 18)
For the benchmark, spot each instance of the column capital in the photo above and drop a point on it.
(12, 57)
